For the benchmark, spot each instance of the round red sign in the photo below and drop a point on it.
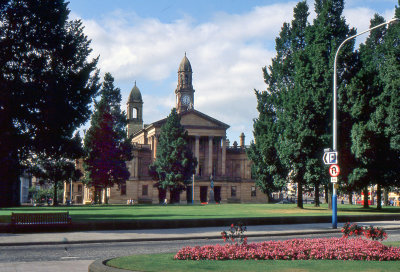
(334, 170)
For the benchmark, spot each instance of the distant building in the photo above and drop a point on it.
(228, 166)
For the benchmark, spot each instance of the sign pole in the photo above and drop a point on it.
(334, 196)
(193, 190)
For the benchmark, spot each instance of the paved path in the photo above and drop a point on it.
(10, 239)
(56, 266)
(147, 235)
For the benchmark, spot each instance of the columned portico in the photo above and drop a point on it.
(223, 155)
(210, 154)
(197, 153)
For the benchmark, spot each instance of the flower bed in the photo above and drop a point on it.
(296, 249)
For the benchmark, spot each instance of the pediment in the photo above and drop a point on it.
(195, 118)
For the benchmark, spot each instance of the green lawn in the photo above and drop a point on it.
(165, 262)
(171, 212)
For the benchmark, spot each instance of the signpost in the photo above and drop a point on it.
(334, 170)
(330, 157)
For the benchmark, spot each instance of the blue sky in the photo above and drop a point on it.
(227, 42)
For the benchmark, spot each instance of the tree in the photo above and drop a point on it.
(270, 175)
(292, 144)
(375, 109)
(55, 171)
(46, 85)
(328, 30)
(175, 163)
(106, 144)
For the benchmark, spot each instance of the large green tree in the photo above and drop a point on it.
(326, 33)
(46, 84)
(106, 143)
(375, 109)
(292, 143)
(175, 163)
(270, 175)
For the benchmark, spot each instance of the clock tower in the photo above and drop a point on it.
(184, 91)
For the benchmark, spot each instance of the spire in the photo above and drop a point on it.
(185, 65)
(135, 95)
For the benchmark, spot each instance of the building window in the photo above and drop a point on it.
(79, 188)
(233, 191)
(123, 189)
(145, 189)
(253, 191)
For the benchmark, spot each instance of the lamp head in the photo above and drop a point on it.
(394, 21)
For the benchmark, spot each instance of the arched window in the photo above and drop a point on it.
(133, 113)
(186, 79)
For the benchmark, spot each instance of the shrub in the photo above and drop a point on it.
(295, 249)
(371, 232)
(235, 234)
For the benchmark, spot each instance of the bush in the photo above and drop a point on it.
(295, 249)
(235, 234)
(371, 232)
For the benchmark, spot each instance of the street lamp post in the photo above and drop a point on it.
(334, 195)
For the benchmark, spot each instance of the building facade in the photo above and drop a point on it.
(224, 167)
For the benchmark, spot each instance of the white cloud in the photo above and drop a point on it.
(226, 54)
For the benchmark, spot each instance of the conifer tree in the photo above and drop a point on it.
(106, 143)
(175, 163)
(325, 35)
(375, 109)
(46, 84)
(293, 141)
(270, 175)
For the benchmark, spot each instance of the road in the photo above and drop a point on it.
(77, 257)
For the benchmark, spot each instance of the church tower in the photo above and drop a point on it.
(184, 91)
(135, 111)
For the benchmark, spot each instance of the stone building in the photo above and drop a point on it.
(226, 165)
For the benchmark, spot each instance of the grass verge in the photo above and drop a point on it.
(173, 212)
(165, 262)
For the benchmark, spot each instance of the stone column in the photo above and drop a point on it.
(155, 145)
(152, 146)
(223, 155)
(197, 153)
(65, 193)
(137, 167)
(210, 154)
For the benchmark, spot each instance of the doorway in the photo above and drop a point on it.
(189, 194)
(203, 194)
(217, 194)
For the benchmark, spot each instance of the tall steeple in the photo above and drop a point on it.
(184, 90)
(135, 111)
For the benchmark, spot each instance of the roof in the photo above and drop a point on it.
(135, 95)
(185, 65)
(215, 122)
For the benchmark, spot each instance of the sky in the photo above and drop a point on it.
(227, 42)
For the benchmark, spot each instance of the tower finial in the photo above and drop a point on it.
(185, 53)
(135, 82)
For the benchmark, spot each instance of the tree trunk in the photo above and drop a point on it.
(326, 194)
(299, 195)
(55, 201)
(366, 197)
(267, 197)
(350, 197)
(379, 197)
(10, 190)
(316, 196)
(386, 196)
(105, 195)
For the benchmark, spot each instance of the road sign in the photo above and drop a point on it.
(334, 170)
(333, 179)
(331, 158)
